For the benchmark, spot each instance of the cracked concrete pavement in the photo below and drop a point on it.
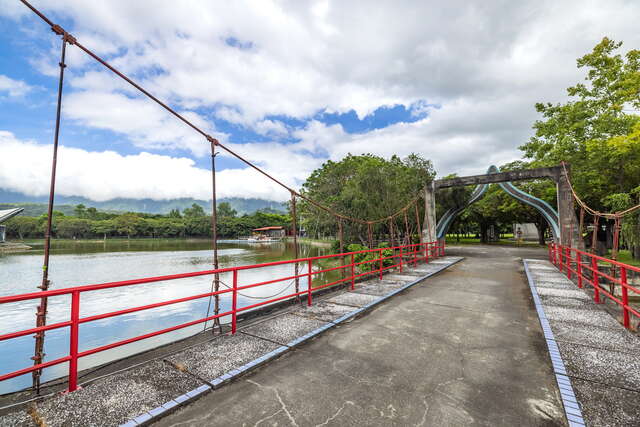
(463, 348)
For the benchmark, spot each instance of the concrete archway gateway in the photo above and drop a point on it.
(563, 221)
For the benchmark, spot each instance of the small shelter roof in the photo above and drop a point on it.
(273, 227)
(9, 213)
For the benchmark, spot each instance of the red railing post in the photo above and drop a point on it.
(559, 251)
(353, 272)
(400, 259)
(380, 256)
(625, 298)
(569, 262)
(234, 302)
(310, 269)
(579, 268)
(73, 341)
(426, 252)
(596, 280)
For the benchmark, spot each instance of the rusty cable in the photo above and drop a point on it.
(41, 313)
(72, 40)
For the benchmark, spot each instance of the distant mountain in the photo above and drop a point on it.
(35, 206)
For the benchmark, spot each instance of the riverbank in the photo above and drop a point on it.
(10, 247)
(322, 243)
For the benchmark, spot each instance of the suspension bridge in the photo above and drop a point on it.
(415, 333)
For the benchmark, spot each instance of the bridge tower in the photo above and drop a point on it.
(565, 220)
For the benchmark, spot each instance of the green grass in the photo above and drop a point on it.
(625, 257)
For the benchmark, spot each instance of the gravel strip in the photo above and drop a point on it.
(214, 358)
(118, 398)
(353, 299)
(284, 328)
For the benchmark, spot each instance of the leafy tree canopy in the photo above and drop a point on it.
(365, 187)
(597, 130)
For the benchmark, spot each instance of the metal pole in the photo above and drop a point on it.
(594, 236)
(294, 226)
(73, 341)
(625, 298)
(234, 303)
(406, 228)
(41, 313)
(391, 235)
(595, 280)
(214, 236)
(341, 237)
(310, 287)
(418, 225)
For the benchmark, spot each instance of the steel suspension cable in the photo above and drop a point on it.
(610, 215)
(56, 28)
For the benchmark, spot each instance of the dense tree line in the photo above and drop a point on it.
(88, 223)
(365, 187)
(597, 131)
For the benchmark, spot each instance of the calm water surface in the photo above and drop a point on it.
(81, 263)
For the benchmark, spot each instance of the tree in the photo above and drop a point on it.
(226, 211)
(80, 211)
(175, 213)
(128, 224)
(194, 211)
(73, 228)
(596, 131)
(92, 213)
(103, 227)
(365, 187)
(23, 227)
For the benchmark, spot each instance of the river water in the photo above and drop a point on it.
(81, 263)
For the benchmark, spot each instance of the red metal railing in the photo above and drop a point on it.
(408, 254)
(587, 269)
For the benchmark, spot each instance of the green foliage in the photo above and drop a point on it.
(174, 213)
(596, 131)
(225, 210)
(370, 256)
(194, 211)
(365, 187)
(90, 223)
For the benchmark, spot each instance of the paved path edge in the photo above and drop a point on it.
(182, 400)
(571, 405)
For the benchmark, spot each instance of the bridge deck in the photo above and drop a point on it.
(595, 357)
(465, 347)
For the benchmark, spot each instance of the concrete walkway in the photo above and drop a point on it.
(463, 348)
(599, 357)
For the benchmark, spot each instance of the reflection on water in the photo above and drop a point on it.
(81, 263)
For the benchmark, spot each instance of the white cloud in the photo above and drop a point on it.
(25, 166)
(484, 64)
(270, 127)
(13, 88)
(144, 122)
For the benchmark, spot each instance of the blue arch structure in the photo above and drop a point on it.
(548, 213)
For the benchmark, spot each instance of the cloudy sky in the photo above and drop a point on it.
(287, 84)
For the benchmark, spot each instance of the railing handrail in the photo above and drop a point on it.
(600, 258)
(417, 251)
(143, 280)
(560, 256)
